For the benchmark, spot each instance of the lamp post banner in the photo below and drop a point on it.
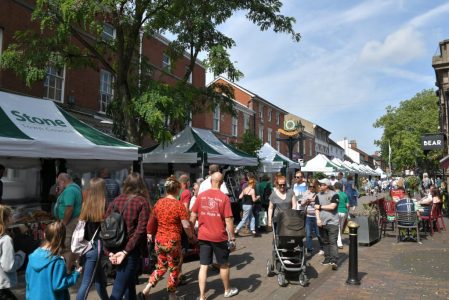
(432, 141)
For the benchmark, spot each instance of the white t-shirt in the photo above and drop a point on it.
(207, 184)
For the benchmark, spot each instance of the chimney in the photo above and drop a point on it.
(353, 144)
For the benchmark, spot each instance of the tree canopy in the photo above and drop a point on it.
(71, 36)
(403, 127)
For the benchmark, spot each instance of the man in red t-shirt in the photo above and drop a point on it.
(216, 227)
(184, 196)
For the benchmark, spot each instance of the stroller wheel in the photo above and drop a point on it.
(269, 268)
(303, 280)
(281, 279)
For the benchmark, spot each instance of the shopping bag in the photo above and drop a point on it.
(263, 218)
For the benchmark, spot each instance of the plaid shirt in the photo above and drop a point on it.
(136, 219)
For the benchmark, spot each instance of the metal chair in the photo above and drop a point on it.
(407, 220)
(428, 220)
(440, 215)
(387, 210)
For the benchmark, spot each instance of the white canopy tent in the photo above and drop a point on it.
(381, 173)
(33, 128)
(273, 160)
(192, 144)
(320, 163)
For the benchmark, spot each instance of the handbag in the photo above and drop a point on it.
(79, 245)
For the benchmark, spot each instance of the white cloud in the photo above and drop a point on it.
(430, 16)
(400, 47)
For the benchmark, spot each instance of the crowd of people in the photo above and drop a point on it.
(187, 214)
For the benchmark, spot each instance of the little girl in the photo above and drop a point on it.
(46, 275)
(9, 261)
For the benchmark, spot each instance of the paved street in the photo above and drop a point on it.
(388, 270)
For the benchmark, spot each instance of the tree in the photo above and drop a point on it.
(403, 127)
(250, 143)
(72, 37)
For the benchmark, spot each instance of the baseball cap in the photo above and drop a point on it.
(325, 181)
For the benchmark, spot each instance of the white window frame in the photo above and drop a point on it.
(261, 133)
(269, 135)
(235, 126)
(190, 79)
(216, 119)
(166, 62)
(106, 90)
(278, 118)
(52, 72)
(270, 112)
(107, 36)
(246, 121)
(261, 112)
(278, 143)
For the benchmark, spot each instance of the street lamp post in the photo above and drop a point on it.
(291, 140)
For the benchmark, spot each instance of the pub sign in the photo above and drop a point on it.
(432, 141)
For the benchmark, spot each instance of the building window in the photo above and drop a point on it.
(269, 114)
(278, 118)
(54, 84)
(166, 62)
(190, 79)
(269, 134)
(234, 126)
(216, 118)
(245, 122)
(108, 33)
(278, 144)
(261, 112)
(106, 90)
(261, 133)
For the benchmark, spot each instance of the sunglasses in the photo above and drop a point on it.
(281, 185)
(298, 177)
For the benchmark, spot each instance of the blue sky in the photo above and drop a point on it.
(354, 59)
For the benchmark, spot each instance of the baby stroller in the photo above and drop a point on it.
(288, 253)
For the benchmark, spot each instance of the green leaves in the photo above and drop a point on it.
(403, 127)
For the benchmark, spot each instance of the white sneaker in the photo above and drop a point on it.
(231, 292)
(321, 252)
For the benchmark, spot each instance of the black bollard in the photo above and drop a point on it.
(353, 273)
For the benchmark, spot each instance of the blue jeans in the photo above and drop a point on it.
(125, 279)
(93, 273)
(312, 227)
(247, 217)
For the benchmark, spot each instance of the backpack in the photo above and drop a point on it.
(113, 229)
(266, 193)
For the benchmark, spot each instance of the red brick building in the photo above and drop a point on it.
(84, 92)
(260, 116)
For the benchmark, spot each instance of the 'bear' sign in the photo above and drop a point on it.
(432, 141)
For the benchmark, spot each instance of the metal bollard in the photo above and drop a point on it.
(353, 276)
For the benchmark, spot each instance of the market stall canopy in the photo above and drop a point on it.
(191, 144)
(320, 163)
(33, 128)
(342, 165)
(381, 173)
(273, 160)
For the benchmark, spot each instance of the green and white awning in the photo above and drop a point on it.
(37, 128)
(273, 161)
(191, 144)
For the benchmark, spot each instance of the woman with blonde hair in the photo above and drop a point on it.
(46, 274)
(10, 261)
(280, 199)
(92, 212)
(248, 197)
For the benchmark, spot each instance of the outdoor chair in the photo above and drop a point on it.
(428, 221)
(407, 220)
(440, 215)
(387, 211)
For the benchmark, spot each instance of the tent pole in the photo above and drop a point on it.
(202, 165)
